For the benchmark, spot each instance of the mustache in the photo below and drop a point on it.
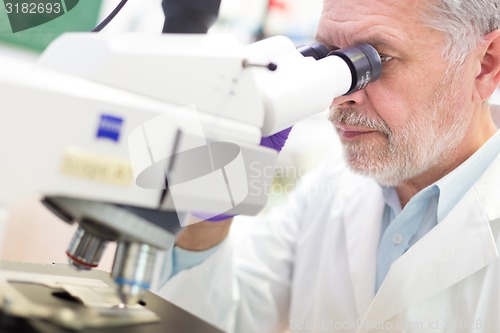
(354, 117)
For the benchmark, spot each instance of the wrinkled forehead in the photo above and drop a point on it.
(351, 22)
(344, 9)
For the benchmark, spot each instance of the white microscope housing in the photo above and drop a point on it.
(127, 134)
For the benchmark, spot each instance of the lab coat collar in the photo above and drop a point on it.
(465, 175)
(431, 265)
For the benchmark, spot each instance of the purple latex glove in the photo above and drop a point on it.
(276, 142)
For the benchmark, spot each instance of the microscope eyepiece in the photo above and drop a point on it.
(364, 62)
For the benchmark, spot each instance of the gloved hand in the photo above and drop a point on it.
(276, 142)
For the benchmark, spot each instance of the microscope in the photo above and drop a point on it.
(127, 134)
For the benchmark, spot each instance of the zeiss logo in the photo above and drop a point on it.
(110, 127)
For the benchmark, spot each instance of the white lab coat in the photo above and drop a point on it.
(310, 266)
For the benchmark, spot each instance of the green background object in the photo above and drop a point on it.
(77, 16)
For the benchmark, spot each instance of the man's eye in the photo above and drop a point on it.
(385, 58)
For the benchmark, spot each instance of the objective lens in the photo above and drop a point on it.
(133, 270)
(85, 249)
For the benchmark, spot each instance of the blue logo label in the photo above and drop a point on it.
(110, 127)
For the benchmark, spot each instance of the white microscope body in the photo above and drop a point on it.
(126, 134)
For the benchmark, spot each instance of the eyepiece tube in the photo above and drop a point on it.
(364, 62)
(308, 78)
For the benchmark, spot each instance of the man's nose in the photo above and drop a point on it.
(357, 97)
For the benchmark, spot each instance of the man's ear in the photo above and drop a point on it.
(489, 77)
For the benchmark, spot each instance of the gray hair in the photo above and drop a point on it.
(464, 24)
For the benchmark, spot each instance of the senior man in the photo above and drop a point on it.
(403, 237)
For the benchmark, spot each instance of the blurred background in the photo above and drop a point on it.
(33, 234)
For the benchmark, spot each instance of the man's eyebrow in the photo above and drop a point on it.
(330, 46)
(377, 41)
